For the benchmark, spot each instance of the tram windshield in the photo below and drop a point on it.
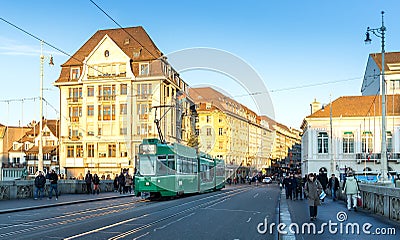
(147, 164)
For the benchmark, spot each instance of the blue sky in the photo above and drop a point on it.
(289, 43)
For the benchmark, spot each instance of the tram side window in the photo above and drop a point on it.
(171, 164)
(178, 165)
(162, 165)
(194, 165)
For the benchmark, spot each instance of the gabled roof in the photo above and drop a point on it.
(390, 58)
(53, 125)
(123, 38)
(360, 106)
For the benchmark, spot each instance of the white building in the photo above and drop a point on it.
(372, 77)
(355, 140)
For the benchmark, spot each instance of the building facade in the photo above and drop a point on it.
(112, 90)
(355, 139)
(372, 78)
(231, 131)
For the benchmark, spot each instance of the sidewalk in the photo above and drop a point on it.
(15, 205)
(336, 214)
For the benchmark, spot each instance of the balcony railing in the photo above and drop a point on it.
(74, 99)
(376, 157)
(106, 97)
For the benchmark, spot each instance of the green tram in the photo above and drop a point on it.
(166, 170)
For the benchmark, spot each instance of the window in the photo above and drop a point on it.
(143, 110)
(389, 142)
(75, 73)
(144, 90)
(99, 131)
(90, 150)
(366, 142)
(79, 151)
(220, 132)
(220, 145)
(322, 142)
(90, 91)
(112, 152)
(208, 131)
(108, 112)
(123, 131)
(123, 109)
(208, 119)
(124, 89)
(75, 94)
(70, 151)
(348, 142)
(90, 110)
(144, 69)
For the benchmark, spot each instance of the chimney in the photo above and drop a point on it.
(315, 106)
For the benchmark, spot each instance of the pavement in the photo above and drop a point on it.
(296, 212)
(16, 205)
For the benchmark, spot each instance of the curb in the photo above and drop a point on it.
(284, 217)
(61, 204)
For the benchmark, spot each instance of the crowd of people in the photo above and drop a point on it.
(314, 187)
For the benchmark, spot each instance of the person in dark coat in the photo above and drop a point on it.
(333, 185)
(323, 179)
(40, 183)
(96, 182)
(287, 185)
(121, 183)
(88, 181)
(313, 189)
(116, 183)
(53, 177)
(293, 186)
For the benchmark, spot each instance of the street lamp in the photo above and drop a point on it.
(40, 153)
(380, 32)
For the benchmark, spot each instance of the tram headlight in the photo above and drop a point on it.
(147, 183)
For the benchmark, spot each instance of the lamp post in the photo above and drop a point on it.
(380, 32)
(40, 153)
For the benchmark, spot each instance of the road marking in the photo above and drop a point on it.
(159, 228)
(248, 220)
(255, 195)
(141, 236)
(231, 210)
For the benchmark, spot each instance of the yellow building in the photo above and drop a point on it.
(111, 91)
(231, 131)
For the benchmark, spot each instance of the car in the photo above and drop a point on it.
(267, 180)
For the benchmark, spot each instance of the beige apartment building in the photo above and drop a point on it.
(231, 131)
(111, 91)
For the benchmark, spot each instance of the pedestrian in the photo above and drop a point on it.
(323, 179)
(116, 183)
(96, 182)
(313, 189)
(128, 185)
(121, 183)
(293, 180)
(333, 185)
(53, 177)
(287, 185)
(88, 180)
(351, 190)
(299, 184)
(40, 182)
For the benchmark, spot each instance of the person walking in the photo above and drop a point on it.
(287, 185)
(53, 177)
(299, 184)
(128, 185)
(116, 183)
(88, 180)
(121, 183)
(333, 185)
(313, 189)
(96, 182)
(323, 179)
(40, 182)
(351, 190)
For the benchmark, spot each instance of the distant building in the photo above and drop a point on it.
(111, 91)
(230, 131)
(9, 134)
(355, 140)
(372, 78)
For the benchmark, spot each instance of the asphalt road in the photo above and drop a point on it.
(232, 213)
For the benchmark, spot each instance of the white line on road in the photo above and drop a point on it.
(255, 195)
(155, 229)
(231, 210)
(142, 236)
(248, 220)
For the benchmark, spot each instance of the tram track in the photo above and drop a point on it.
(224, 197)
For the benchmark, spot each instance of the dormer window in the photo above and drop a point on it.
(144, 69)
(106, 53)
(75, 73)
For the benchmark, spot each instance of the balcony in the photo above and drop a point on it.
(74, 100)
(74, 119)
(106, 98)
(376, 157)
